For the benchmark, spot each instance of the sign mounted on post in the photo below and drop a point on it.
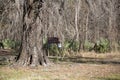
(54, 40)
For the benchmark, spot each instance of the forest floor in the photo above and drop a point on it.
(88, 66)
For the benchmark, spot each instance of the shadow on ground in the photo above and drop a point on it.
(87, 60)
(5, 55)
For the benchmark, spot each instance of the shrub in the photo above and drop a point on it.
(102, 46)
(65, 48)
(10, 44)
(52, 49)
(88, 46)
(68, 45)
(74, 46)
(71, 45)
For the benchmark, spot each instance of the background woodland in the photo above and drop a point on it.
(80, 23)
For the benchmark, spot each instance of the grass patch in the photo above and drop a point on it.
(111, 77)
(67, 69)
(61, 71)
(18, 74)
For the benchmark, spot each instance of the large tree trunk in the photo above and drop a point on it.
(32, 37)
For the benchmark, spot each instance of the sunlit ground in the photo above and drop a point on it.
(89, 66)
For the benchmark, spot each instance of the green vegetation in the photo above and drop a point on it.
(10, 44)
(102, 46)
(66, 47)
(88, 46)
(74, 46)
(112, 77)
(71, 45)
(53, 50)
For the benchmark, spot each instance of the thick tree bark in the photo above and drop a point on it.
(32, 41)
